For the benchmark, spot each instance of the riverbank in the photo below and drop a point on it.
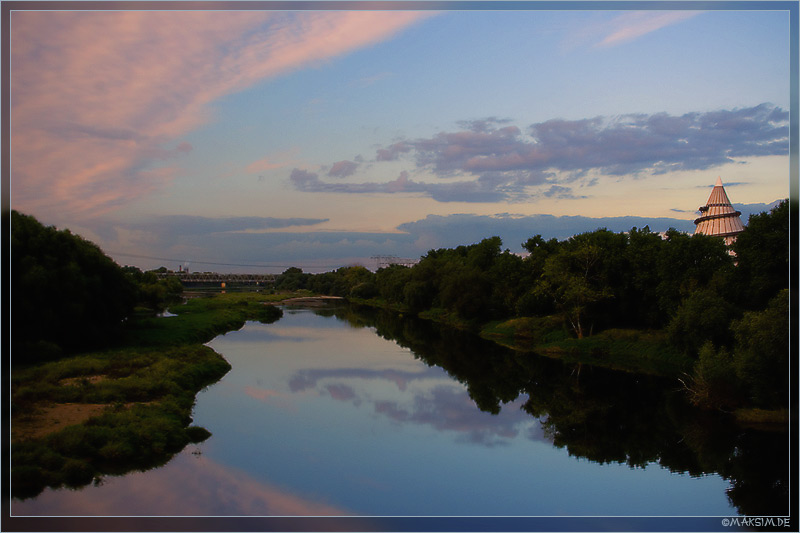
(311, 301)
(129, 407)
(635, 351)
(78, 418)
(628, 350)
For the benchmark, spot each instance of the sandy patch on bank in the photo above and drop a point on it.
(310, 301)
(91, 380)
(53, 418)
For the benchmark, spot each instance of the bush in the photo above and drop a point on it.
(77, 473)
(703, 316)
(714, 383)
(197, 434)
(761, 356)
(365, 290)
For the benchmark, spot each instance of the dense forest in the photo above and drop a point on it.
(730, 313)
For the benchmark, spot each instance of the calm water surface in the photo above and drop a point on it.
(322, 416)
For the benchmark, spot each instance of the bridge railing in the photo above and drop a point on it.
(214, 277)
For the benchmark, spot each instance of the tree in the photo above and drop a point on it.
(639, 295)
(506, 275)
(761, 355)
(570, 278)
(391, 280)
(685, 264)
(66, 294)
(468, 292)
(483, 254)
(702, 316)
(762, 252)
(153, 292)
(291, 279)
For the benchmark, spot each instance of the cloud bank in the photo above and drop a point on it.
(235, 246)
(227, 242)
(182, 225)
(495, 161)
(100, 100)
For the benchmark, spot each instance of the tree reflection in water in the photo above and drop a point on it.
(602, 415)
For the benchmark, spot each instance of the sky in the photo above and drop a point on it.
(256, 140)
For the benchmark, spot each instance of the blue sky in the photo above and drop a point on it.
(321, 138)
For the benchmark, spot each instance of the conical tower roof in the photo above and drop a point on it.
(718, 217)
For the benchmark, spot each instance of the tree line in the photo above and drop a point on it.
(728, 311)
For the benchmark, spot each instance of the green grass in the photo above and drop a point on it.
(201, 319)
(150, 394)
(148, 383)
(449, 318)
(380, 303)
(640, 351)
(525, 331)
(764, 419)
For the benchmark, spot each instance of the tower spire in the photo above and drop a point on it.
(718, 217)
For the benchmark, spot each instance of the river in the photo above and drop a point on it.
(362, 413)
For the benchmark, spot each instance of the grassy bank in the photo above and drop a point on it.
(201, 319)
(128, 407)
(763, 419)
(639, 351)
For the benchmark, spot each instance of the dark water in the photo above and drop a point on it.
(348, 412)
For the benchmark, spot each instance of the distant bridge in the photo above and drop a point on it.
(207, 278)
(383, 261)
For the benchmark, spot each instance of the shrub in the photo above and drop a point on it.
(761, 356)
(703, 316)
(714, 380)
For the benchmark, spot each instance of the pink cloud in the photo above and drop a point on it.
(216, 490)
(279, 160)
(100, 99)
(262, 394)
(630, 26)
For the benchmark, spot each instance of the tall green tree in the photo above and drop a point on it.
(292, 279)
(570, 277)
(687, 263)
(66, 294)
(532, 301)
(703, 316)
(762, 351)
(390, 282)
(639, 296)
(762, 253)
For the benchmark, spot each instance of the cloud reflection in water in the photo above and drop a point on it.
(190, 485)
(443, 407)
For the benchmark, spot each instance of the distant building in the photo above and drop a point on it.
(718, 217)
